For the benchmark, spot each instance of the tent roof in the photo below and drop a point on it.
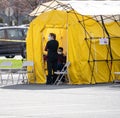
(82, 7)
(96, 7)
(50, 6)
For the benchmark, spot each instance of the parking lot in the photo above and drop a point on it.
(64, 101)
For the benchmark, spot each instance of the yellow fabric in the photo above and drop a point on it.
(114, 31)
(71, 35)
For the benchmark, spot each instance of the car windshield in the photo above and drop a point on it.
(14, 34)
(2, 35)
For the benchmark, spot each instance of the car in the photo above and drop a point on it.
(25, 25)
(3, 24)
(12, 41)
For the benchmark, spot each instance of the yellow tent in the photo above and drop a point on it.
(91, 47)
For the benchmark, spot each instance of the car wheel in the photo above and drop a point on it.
(24, 53)
(10, 56)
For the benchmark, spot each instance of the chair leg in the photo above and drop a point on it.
(25, 78)
(12, 78)
(60, 79)
(56, 80)
(33, 75)
(18, 78)
(7, 79)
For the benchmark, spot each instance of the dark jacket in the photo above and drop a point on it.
(52, 47)
(61, 59)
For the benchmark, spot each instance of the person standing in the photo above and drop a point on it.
(52, 57)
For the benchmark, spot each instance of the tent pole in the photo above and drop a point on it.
(67, 45)
(90, 53)
(107, 35)
(105, 29)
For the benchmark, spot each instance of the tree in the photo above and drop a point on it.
(1, 20)
(3, 4)
(21, 7)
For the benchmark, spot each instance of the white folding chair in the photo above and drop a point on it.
(62, 73)
(23, 72)
(117, 76)
(5, 68)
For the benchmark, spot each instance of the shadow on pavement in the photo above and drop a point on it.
(41, 87)
(54, 87)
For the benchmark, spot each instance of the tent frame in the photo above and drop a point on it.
(100, 19)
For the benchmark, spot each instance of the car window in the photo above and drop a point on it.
(2, 34)
(20, 34)
(25, 31)
(14, 34)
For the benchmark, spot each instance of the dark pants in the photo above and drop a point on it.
(52, 67)
(60, 67)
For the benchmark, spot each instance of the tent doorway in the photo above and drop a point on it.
(61, 37)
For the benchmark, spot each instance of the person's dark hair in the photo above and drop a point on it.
(60, 48)
(53, 35)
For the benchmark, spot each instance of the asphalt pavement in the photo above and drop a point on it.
(63, 101)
